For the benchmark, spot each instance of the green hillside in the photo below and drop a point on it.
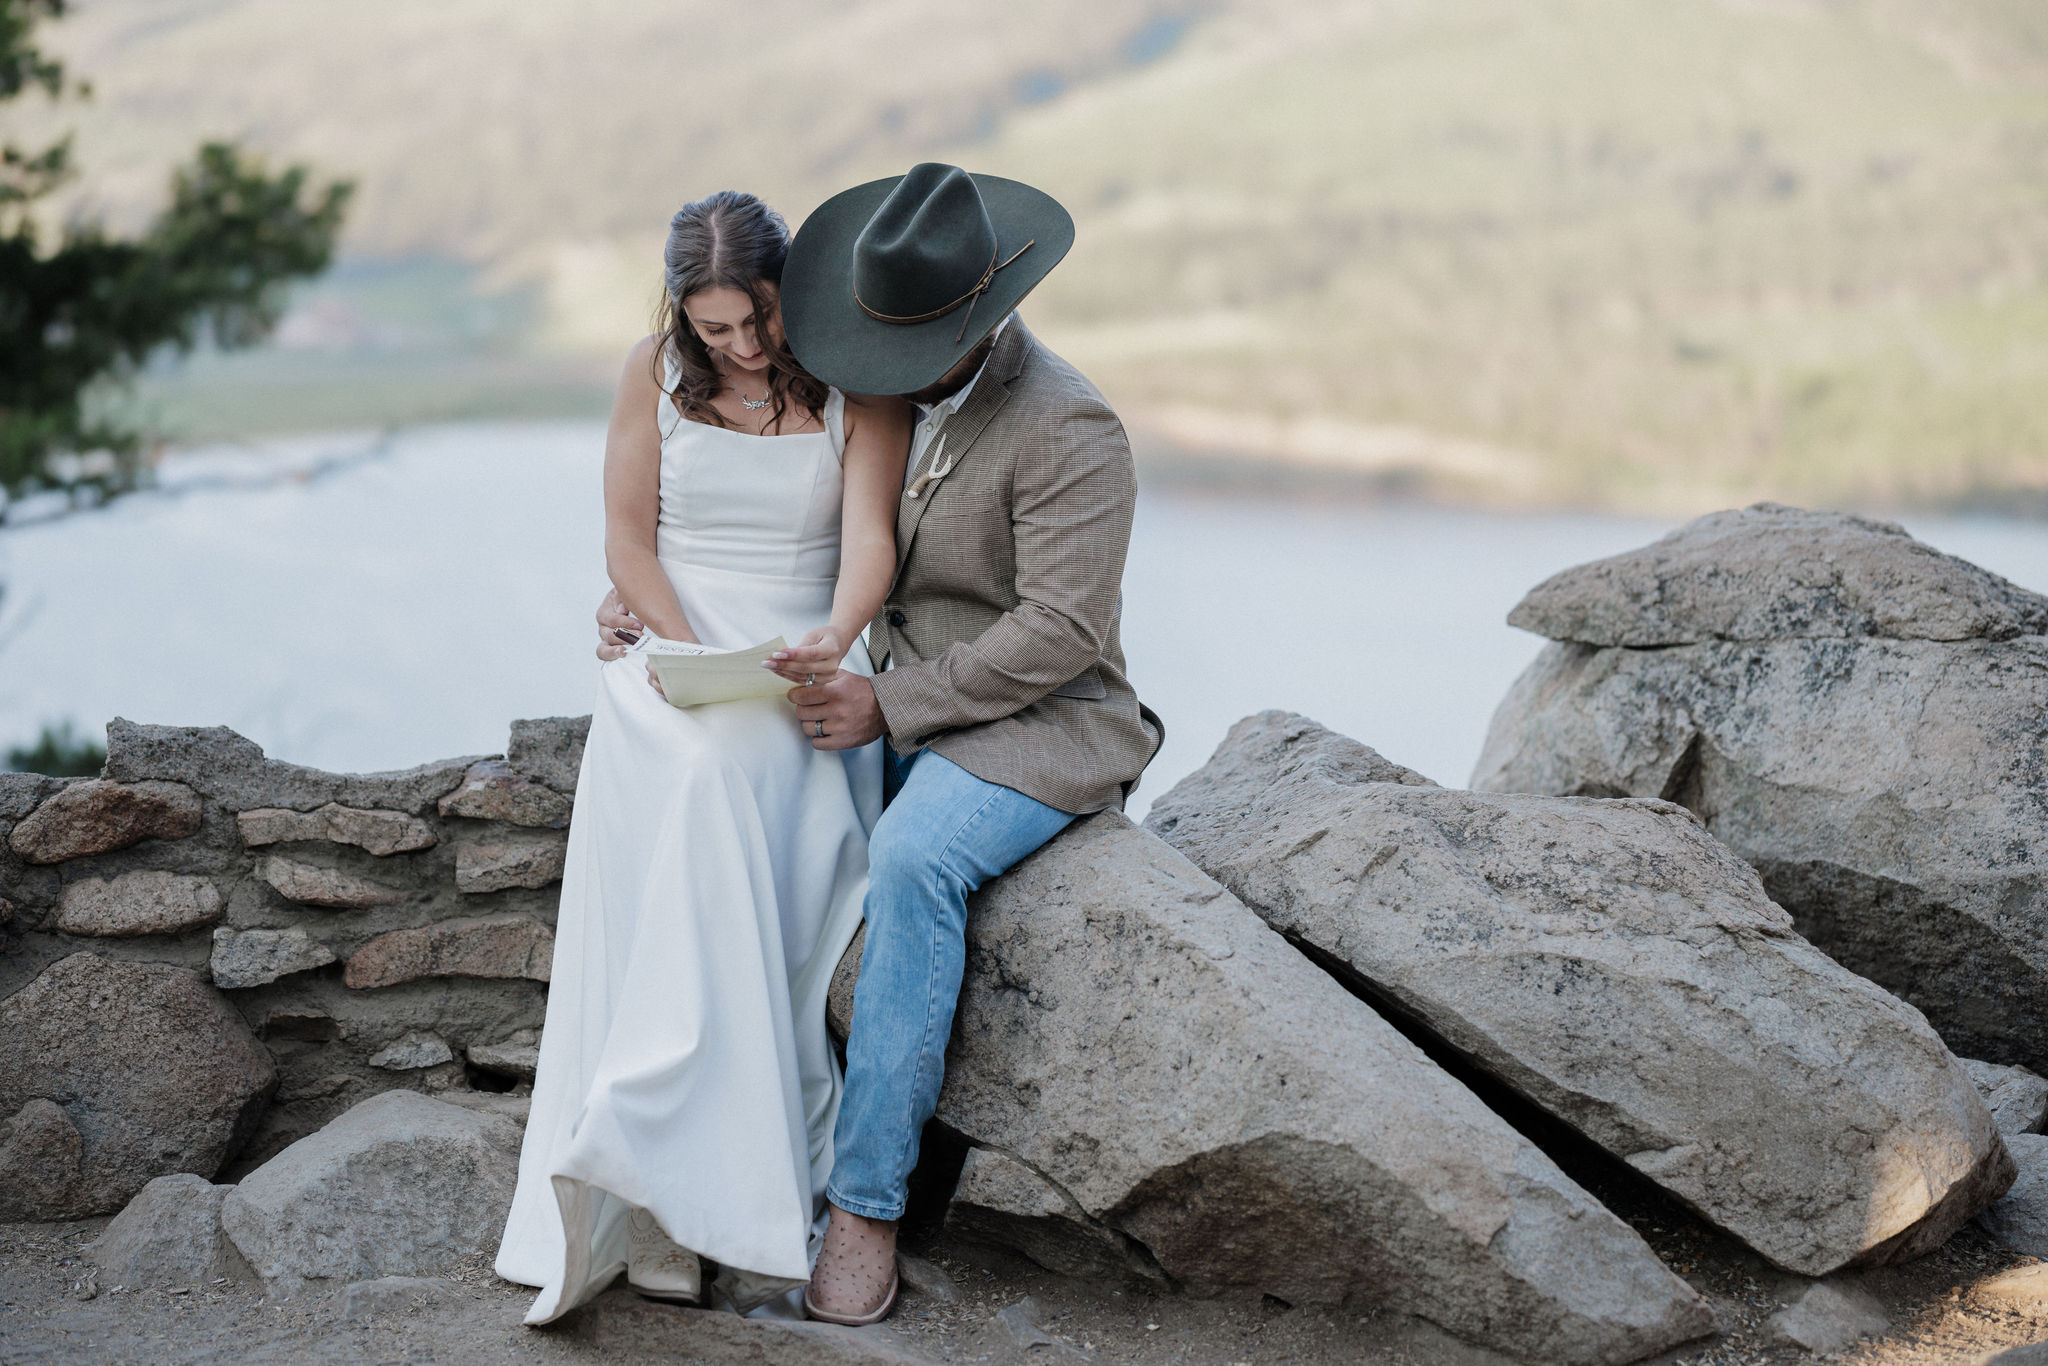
(1662, 254)
(1656, 254)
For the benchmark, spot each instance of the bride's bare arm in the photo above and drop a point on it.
(877, 445)
(632, 501)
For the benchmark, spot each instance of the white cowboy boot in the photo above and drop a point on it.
(659, 1269)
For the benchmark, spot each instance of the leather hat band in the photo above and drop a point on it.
(970, 298)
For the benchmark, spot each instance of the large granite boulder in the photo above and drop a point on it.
(401, 1185)
(1771, 572)
(1619, 968)
(1859, 716)
(1179, 1075)
(112, 1073)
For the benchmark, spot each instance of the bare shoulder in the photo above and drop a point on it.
(635, 400)
(639, 386)
(640, 360)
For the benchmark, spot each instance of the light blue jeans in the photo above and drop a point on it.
(943, 833)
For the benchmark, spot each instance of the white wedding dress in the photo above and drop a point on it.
(715, 874)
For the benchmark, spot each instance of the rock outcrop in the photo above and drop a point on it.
(1616, 966)
(1771, 572)
(115, 1073)
(1860, 717)
(1138, 1039)
(1154, 1084)
(401, 1185)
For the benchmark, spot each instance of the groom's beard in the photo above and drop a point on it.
(954, 379)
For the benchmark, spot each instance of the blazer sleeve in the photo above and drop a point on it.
(1072, 498)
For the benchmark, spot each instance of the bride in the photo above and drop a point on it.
(687, 1090)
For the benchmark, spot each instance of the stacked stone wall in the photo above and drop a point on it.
(372, 931)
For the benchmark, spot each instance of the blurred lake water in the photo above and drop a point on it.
(356, 604)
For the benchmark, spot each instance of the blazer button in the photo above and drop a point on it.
(896, 618)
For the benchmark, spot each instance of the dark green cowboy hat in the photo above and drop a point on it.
(890, 283)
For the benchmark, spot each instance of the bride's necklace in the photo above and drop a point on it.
(752, 405)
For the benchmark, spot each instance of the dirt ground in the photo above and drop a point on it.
(1957, 1306)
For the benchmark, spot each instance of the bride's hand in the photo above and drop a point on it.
(812, 660)
(617, 627)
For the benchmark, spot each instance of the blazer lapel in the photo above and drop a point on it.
(963, 428)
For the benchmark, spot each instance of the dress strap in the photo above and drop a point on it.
(835, 422)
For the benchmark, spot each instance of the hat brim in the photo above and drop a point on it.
(833, 338)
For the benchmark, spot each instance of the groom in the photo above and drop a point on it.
(1000, 688)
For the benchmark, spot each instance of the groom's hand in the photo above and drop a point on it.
(847, 708)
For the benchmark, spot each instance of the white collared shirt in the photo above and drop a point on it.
(933, 416)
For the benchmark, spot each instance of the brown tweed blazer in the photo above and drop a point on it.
(1002, 622)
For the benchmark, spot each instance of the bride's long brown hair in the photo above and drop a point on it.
(728, 240)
